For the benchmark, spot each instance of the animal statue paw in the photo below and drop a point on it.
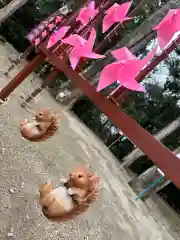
(70, 191)
(23, 122)
(64, 180)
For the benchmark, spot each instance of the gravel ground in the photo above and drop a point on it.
(25, 165)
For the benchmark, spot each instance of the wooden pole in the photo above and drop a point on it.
(13, 84)
(163, 133)
(10, 8)
(18, 59)
(40, 88)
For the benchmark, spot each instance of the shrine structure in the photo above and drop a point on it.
(57, 56)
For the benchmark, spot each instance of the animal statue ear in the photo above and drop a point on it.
(45, 185)
(83, 168)
(87, 166)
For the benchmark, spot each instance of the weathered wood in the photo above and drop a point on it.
(139, 183)
(16, 61)
(135, 154)
(10, 8)
(37, 90)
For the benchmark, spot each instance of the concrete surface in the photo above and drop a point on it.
(116, 216)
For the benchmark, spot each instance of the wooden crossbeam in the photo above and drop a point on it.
(155, 150)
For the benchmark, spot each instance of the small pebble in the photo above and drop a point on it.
(3, 150)
(12, 190)
(10, 234)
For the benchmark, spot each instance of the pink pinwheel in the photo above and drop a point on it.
(117, 13)
(57, 36)
(167, 28)
(124, 70)
(59, 19)
(74, 40)
(123, 54)
(37, 41)
(82, 48)
(50, 26)
(87, 13)
(44, 33)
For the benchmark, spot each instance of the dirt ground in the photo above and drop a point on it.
(25, 165)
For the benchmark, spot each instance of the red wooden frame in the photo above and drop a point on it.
(156, 151)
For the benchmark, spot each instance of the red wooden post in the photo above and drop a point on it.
(9, 88)
(156, 151)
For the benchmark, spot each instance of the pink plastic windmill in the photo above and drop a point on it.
(87, 13)
(58, 19)
(167, 28)
(57, 36)
(117, 13)
(74, 40)
(82, 48)
(124, 70)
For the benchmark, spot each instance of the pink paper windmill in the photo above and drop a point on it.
(117, 13)
(82, 48)
(124, 70)
(168, 27)
(87, 13)
(57, 36)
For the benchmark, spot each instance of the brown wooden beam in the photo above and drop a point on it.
(156, 151)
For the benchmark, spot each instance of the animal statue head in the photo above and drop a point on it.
(84, 179)
(45, 115)
(80, 177)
